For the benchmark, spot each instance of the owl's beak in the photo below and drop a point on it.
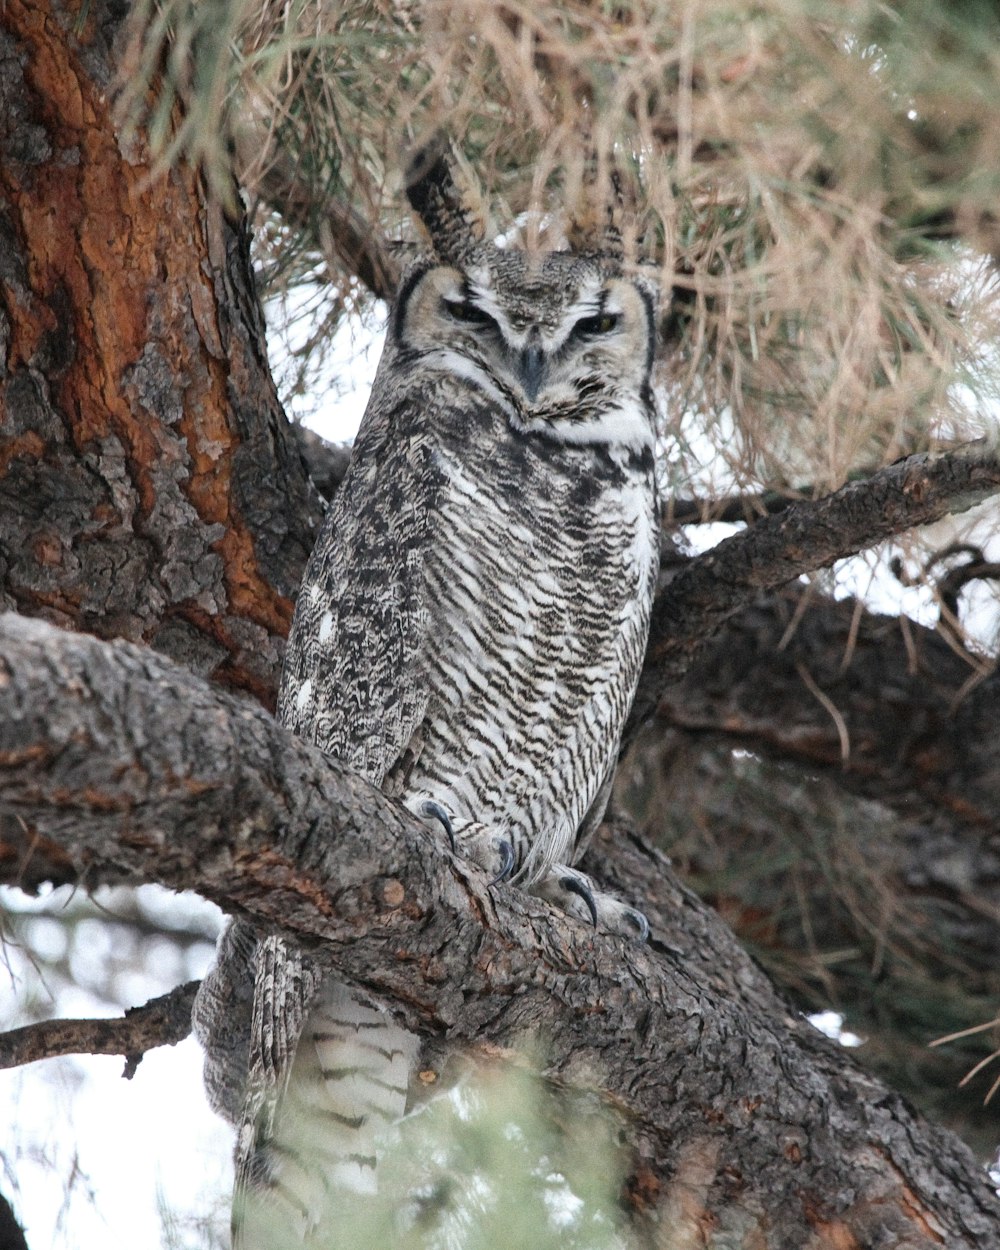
(532, 368)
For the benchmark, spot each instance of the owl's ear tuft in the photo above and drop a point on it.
(454, 227)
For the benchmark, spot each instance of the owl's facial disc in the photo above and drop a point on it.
(564, 345)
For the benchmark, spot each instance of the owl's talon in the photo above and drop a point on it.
(639, 923)
(577, 886)
(563, 885)
(506, 851)
(432, 810)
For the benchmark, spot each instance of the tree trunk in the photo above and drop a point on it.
(149, 488)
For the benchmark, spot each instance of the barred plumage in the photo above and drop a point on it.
(469, 631)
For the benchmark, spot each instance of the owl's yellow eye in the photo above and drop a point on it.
(603, 323)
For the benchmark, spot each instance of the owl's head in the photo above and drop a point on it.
(562, 342)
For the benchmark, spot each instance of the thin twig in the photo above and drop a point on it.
(162, 1021)
(831, 707)
(362, 250)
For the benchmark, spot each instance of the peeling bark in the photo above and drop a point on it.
(713, 1075)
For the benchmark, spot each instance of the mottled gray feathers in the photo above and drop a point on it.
(451, 224)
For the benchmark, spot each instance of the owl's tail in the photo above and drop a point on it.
(317, 1151)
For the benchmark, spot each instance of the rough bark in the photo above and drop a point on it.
(148, 485)
(744, 1120)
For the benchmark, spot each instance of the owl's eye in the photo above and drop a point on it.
(603, 323)
(461, 310)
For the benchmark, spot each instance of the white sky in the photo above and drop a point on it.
(334, 406)
(89, 1158)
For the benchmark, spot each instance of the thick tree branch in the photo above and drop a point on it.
(711, 588)
(163, 1021)
(128, 761)
(907, 717)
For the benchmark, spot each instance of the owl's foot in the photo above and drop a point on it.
(573, 892)
(487, 848)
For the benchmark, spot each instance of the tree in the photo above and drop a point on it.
(826, 225)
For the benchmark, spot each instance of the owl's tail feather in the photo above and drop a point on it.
(316, 1149)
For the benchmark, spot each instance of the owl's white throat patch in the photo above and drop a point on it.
(626, 425)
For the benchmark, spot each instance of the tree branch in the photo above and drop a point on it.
(163, 1021)
(709, 589)
(691, 510)
(919, 712)
(130, 762)
(326, 463)
(11, 1232)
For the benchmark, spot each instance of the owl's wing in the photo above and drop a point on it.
(285, 986)
(348, 686)
(350, 678)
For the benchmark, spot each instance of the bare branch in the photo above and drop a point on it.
(325, 462)
(692, 510)
(162, 1021)
(810, 535)
(920, 726)
(127, 760)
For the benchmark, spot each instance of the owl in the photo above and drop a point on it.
(468, 636)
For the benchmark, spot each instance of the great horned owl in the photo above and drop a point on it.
(468, 636)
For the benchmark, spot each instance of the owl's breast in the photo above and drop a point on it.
(539, 583)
